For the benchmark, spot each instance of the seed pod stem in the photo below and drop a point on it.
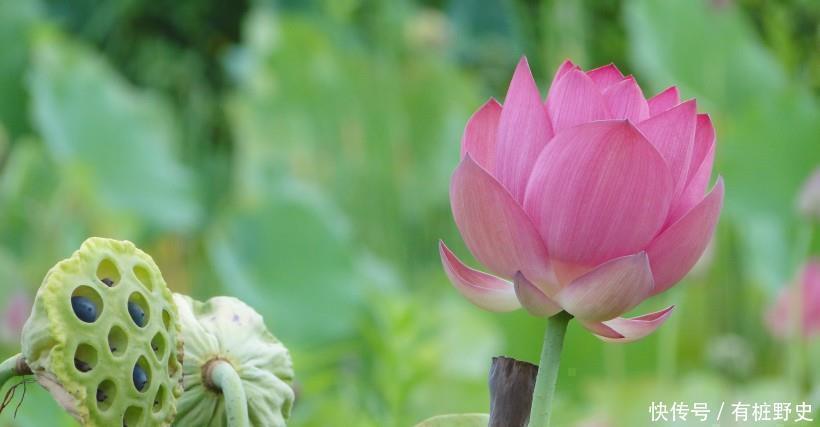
(221, 376)
(14, 366)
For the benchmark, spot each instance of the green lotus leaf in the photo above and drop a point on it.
(227, 331)
(103, 337)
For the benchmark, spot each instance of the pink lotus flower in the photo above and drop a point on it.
(808, 204)
(14, 315)
(799, 305)
(589, 202)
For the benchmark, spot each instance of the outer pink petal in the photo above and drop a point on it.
(598, 191)
(605, 76)
(611, 289)
(533, 299)
(664, 100)
(495, 227)
(777, 317)
(676, 250)
(624, 100)
(523, 130)
(479, 134)
(811, 297)
(673, 133)
(808, 202)
(600, 329)
(574, 99)
(482, 289)
(635, 328)
(700, 169)
(704, 143)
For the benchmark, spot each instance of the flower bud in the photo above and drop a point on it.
(808, 203)
(224, 329)
(83, 346)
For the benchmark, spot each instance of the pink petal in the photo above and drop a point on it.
(479, 134)
(600, 329)
(810, 281)
(562, 69)
(598, 191)
(611, 289)
(700, 169)
(676, 250)
(495, 228)
(482, 289)
(624, 100)
(673, 133)
(777, 318)
(635, 328)
(664, 100)
(574, 99)
(523, 130)
(605, 76)
(704, 143)
(533, 299)
(808, 202)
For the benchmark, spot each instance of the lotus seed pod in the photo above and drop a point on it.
(225, 329)
(103, 337)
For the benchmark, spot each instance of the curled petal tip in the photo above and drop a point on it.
(634, 329)
(484, 290)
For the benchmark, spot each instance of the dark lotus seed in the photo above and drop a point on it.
(140, 377)
(81, 365)
(108, 282)
(137, 314)
(84, 308)
(101, 396)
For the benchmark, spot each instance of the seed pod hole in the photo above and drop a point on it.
(166, 319)
(141, 375)
(144, 276)
(86, 304)
(108, 273)
(173, 366)
(85, 358)
(106, 394)
(117, 340)
(159, 399)
(158, 345)
(132, 417)
(138, 309)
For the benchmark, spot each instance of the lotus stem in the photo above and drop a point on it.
(14, 366)
(221, 376)
(548, 370)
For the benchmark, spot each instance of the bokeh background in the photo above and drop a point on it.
(297, 155)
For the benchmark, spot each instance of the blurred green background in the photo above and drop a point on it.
(297, 155)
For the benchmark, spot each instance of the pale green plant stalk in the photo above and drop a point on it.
(796, 349)
(11, 368)
(544, 392)
(224, 378)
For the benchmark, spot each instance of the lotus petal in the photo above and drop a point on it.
(484, 290)
(609, 290)
(676, 250)
(598, 191)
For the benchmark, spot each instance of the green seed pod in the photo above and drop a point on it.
(103, 337)
(235, 372)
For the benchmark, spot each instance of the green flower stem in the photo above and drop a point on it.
(548, 370)
(223, 377)
(14, 366)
